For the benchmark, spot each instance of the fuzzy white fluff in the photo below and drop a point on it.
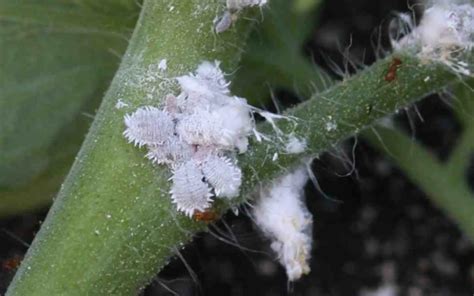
(448, 26)
(446, 31)
(282, 216)
(211, 74)
(295, 145)
(214, 117)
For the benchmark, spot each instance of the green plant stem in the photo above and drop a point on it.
(112, 225)
(463, 106)
(449, 192)
(459, 160)
(444, 183)
(349, 106)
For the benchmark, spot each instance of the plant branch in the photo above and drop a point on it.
(463, 106)
(449, 192)
(459, 160)
(349, 106)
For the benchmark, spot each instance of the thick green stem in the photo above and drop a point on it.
(112, 225)
(447, 191)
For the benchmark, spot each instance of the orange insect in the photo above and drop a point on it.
(392, 70)
(12, 263)
(207, 216)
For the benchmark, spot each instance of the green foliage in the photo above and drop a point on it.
(57, 59)
(274, 57)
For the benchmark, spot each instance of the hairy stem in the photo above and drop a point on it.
(344, 110)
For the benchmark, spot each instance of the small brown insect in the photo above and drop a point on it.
(392, 70)
(11, 263)
(207, 216)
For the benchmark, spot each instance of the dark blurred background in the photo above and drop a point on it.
(378, 234)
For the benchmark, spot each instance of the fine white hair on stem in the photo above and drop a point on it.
(148, 126)
(282, 216)
(189, 192)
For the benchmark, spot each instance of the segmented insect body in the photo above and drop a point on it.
(148, 126)
(199, 128)
(189, 192)
(172, 151)
(207, 216)
(223, 175)
(224, 22)
(231, 14)
(392, 70)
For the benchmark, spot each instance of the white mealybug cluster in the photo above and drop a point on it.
(230, 15)
(445, 34)
(281, 214)
(197, 134)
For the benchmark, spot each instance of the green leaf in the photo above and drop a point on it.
(56, 60)
(274, 55)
